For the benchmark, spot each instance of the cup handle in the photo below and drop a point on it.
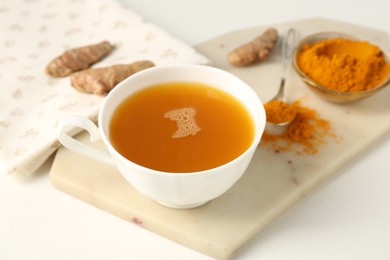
(66, 122)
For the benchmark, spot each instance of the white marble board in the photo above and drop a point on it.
(273, 182)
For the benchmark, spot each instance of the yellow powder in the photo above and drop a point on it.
(279, 112)
(344, 65)
(304, 135)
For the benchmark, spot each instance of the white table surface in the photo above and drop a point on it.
(346, 218)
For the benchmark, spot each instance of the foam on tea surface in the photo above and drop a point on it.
(185, 121)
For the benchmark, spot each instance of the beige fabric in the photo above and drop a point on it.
(33, 32)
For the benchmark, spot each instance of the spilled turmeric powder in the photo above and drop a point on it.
(344, 65)
(304, 135)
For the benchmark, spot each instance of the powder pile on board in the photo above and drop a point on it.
(304, 135)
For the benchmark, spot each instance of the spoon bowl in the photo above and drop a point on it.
(288, 43)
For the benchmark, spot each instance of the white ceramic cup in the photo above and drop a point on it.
(184, 190)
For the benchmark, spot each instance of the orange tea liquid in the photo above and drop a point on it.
(181, 127)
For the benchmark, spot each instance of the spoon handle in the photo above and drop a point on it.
(288, 44)
(289, 41)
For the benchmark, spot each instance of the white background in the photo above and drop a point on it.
(346, 218)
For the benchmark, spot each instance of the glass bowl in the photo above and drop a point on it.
(324, 92)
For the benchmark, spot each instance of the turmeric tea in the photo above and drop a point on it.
(344, 65)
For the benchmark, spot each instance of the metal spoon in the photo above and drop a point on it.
(288, 43)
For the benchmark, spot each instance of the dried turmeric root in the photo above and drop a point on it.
(255, 50)
(100, 81)
(78, 59)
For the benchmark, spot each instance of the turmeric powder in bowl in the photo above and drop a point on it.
(340, 68)
(344, 64)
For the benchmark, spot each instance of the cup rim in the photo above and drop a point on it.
(256, 139)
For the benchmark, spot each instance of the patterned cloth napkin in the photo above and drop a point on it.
(33, 32)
